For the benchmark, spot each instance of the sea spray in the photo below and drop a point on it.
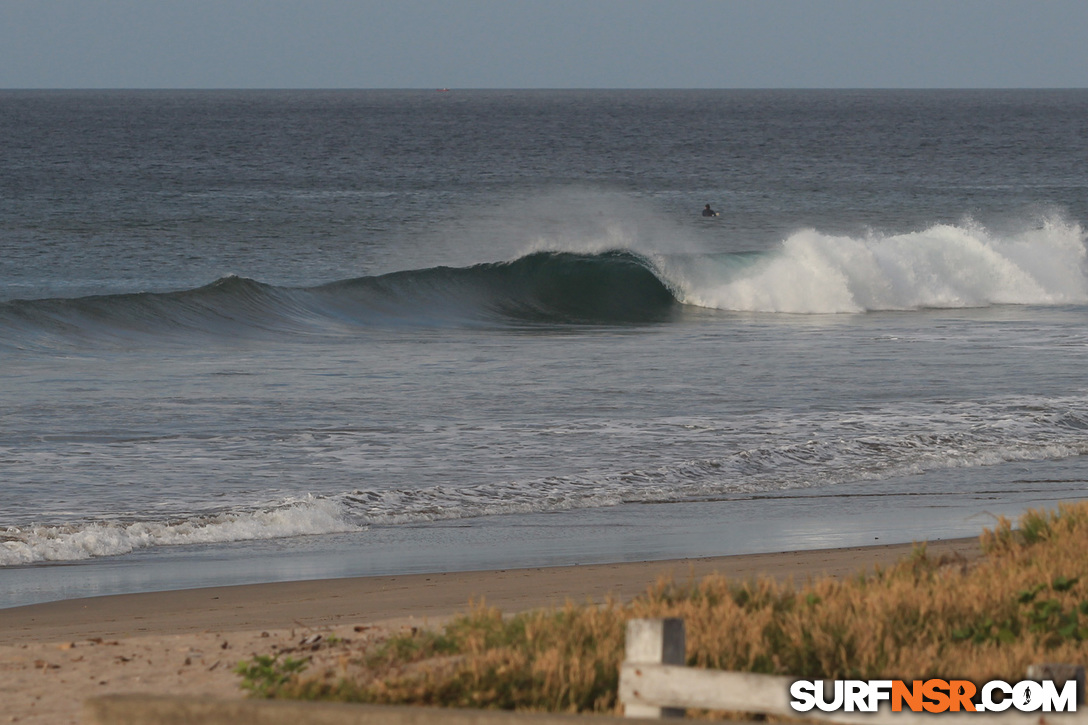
(943, 266)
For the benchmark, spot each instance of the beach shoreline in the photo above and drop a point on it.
(187, 642)
(327, 602)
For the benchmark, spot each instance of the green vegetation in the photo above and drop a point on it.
(264, 674)
(1026, 601)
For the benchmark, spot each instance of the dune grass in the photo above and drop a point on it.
(1026, 601)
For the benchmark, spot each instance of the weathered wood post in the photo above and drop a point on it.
(655, 642)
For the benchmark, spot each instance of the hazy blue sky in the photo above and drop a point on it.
(542, 43)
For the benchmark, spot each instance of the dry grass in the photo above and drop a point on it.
(1026, 602)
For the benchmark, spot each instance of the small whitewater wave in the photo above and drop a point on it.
(306, 517)
(944, 266)
(890, 445)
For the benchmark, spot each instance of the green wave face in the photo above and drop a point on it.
(544, 287)
(565, 287)
(557, 288)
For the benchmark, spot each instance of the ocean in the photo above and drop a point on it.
(251, 336)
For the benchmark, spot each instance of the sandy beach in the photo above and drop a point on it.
(55, 655)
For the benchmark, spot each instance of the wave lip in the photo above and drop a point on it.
(944, 266)
(616, 287)
(542, 287)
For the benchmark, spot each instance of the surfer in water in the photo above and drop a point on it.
(707, 211)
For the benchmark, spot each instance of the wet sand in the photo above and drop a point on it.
(54, 655)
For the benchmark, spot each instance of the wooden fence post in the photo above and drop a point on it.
(1060, 673)
(655, 683)
(655, 642)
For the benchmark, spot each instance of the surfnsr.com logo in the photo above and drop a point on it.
(933, 696)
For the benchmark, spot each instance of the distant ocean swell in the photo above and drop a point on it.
(941, 267)
(748, 462)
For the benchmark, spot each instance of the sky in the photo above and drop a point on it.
(543, 44)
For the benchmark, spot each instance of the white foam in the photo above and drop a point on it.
(308, 516)
(944, 266)
(762, 453)
(893, 447)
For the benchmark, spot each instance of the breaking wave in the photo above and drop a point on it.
(541, 288)
(74, 542)
(944, 266)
